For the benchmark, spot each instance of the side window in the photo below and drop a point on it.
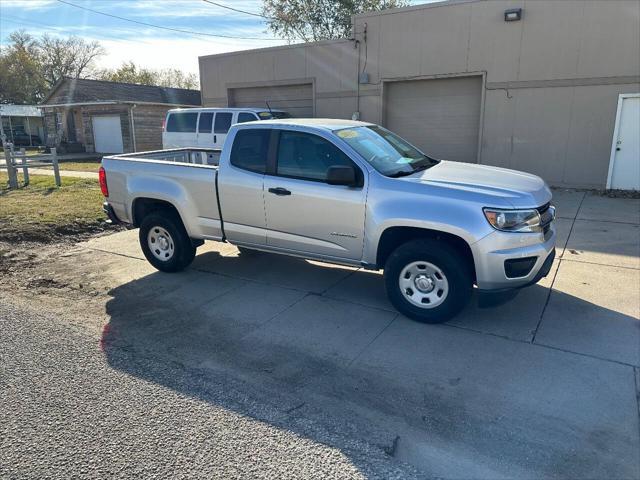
(250, 149)
(246, 117)
(182, 122)
(223, 122)
(204, 124)
(307, 156)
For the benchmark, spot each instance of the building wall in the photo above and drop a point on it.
(148, 124)
(551, 81)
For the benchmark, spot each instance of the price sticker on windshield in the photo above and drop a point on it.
(347, 133)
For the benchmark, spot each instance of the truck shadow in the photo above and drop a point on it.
(230, 358)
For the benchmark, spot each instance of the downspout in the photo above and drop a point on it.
(133, 127)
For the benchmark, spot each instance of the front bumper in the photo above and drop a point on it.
(491, 252)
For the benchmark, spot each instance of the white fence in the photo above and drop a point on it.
(20, 160)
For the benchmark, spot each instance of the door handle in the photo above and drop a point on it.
(215, 139)
(279, 191)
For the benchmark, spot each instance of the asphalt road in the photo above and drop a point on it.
(68, 413)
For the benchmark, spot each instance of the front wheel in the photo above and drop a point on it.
(428, 280)
(165, 242)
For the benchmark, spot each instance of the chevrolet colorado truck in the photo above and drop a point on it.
(346, 192)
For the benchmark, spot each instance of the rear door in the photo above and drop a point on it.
(180, 130)
(240, 185)
(306, 214)
(221, 124)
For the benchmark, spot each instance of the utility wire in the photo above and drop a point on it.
(190, 32)
(13, 19)
(237, 9)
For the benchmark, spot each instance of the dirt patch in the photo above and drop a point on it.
(45, 233)
(619, 193)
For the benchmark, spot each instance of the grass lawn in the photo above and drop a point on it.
(88, 166)
(42, 212)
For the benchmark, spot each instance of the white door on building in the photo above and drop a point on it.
(624, 166)
(107, 134)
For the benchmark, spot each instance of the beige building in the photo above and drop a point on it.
(527, 84)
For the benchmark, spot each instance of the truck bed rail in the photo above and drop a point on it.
(194, 156)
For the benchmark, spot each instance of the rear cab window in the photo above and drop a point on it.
(250, 149)
(183, 122)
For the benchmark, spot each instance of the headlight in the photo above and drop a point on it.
(513, 220)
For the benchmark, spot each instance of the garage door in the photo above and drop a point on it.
(295, 99)
(441, 117)
(107, 134)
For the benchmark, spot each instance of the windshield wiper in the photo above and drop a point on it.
(401, 173)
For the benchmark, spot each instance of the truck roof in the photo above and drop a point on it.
(326, 123)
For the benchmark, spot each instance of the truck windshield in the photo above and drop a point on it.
(385, 151)
(271, 115)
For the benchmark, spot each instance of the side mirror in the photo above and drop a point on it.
(341, 175)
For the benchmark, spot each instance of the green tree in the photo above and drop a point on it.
(129, 72)
(313, 20)
(21, 79)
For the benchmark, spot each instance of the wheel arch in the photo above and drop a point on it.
(392, 237)
(143, 206)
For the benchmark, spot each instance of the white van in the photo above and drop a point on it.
(208, 127)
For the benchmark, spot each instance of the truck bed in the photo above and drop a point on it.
(182, 177)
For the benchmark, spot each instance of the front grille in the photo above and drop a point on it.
(547, 214)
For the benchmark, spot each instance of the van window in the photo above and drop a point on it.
(182, 122)
(308, 157)
(250, 149)
(246, 117)
(204, 124)
(223, 122)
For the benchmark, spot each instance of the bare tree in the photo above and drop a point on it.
(67, 57)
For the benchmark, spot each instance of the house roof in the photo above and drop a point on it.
(78, 90)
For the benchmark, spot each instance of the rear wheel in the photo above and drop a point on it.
(428, 280)
(165, 242)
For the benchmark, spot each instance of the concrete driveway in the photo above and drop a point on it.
(543, 383)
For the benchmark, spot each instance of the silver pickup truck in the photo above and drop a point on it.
(346, 192)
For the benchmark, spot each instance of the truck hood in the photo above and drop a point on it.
(522, 190)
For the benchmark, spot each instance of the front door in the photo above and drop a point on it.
(306, 214)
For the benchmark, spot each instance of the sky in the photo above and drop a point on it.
(146, 46)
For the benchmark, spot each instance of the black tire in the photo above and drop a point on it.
(182, 249)
(452, 264)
